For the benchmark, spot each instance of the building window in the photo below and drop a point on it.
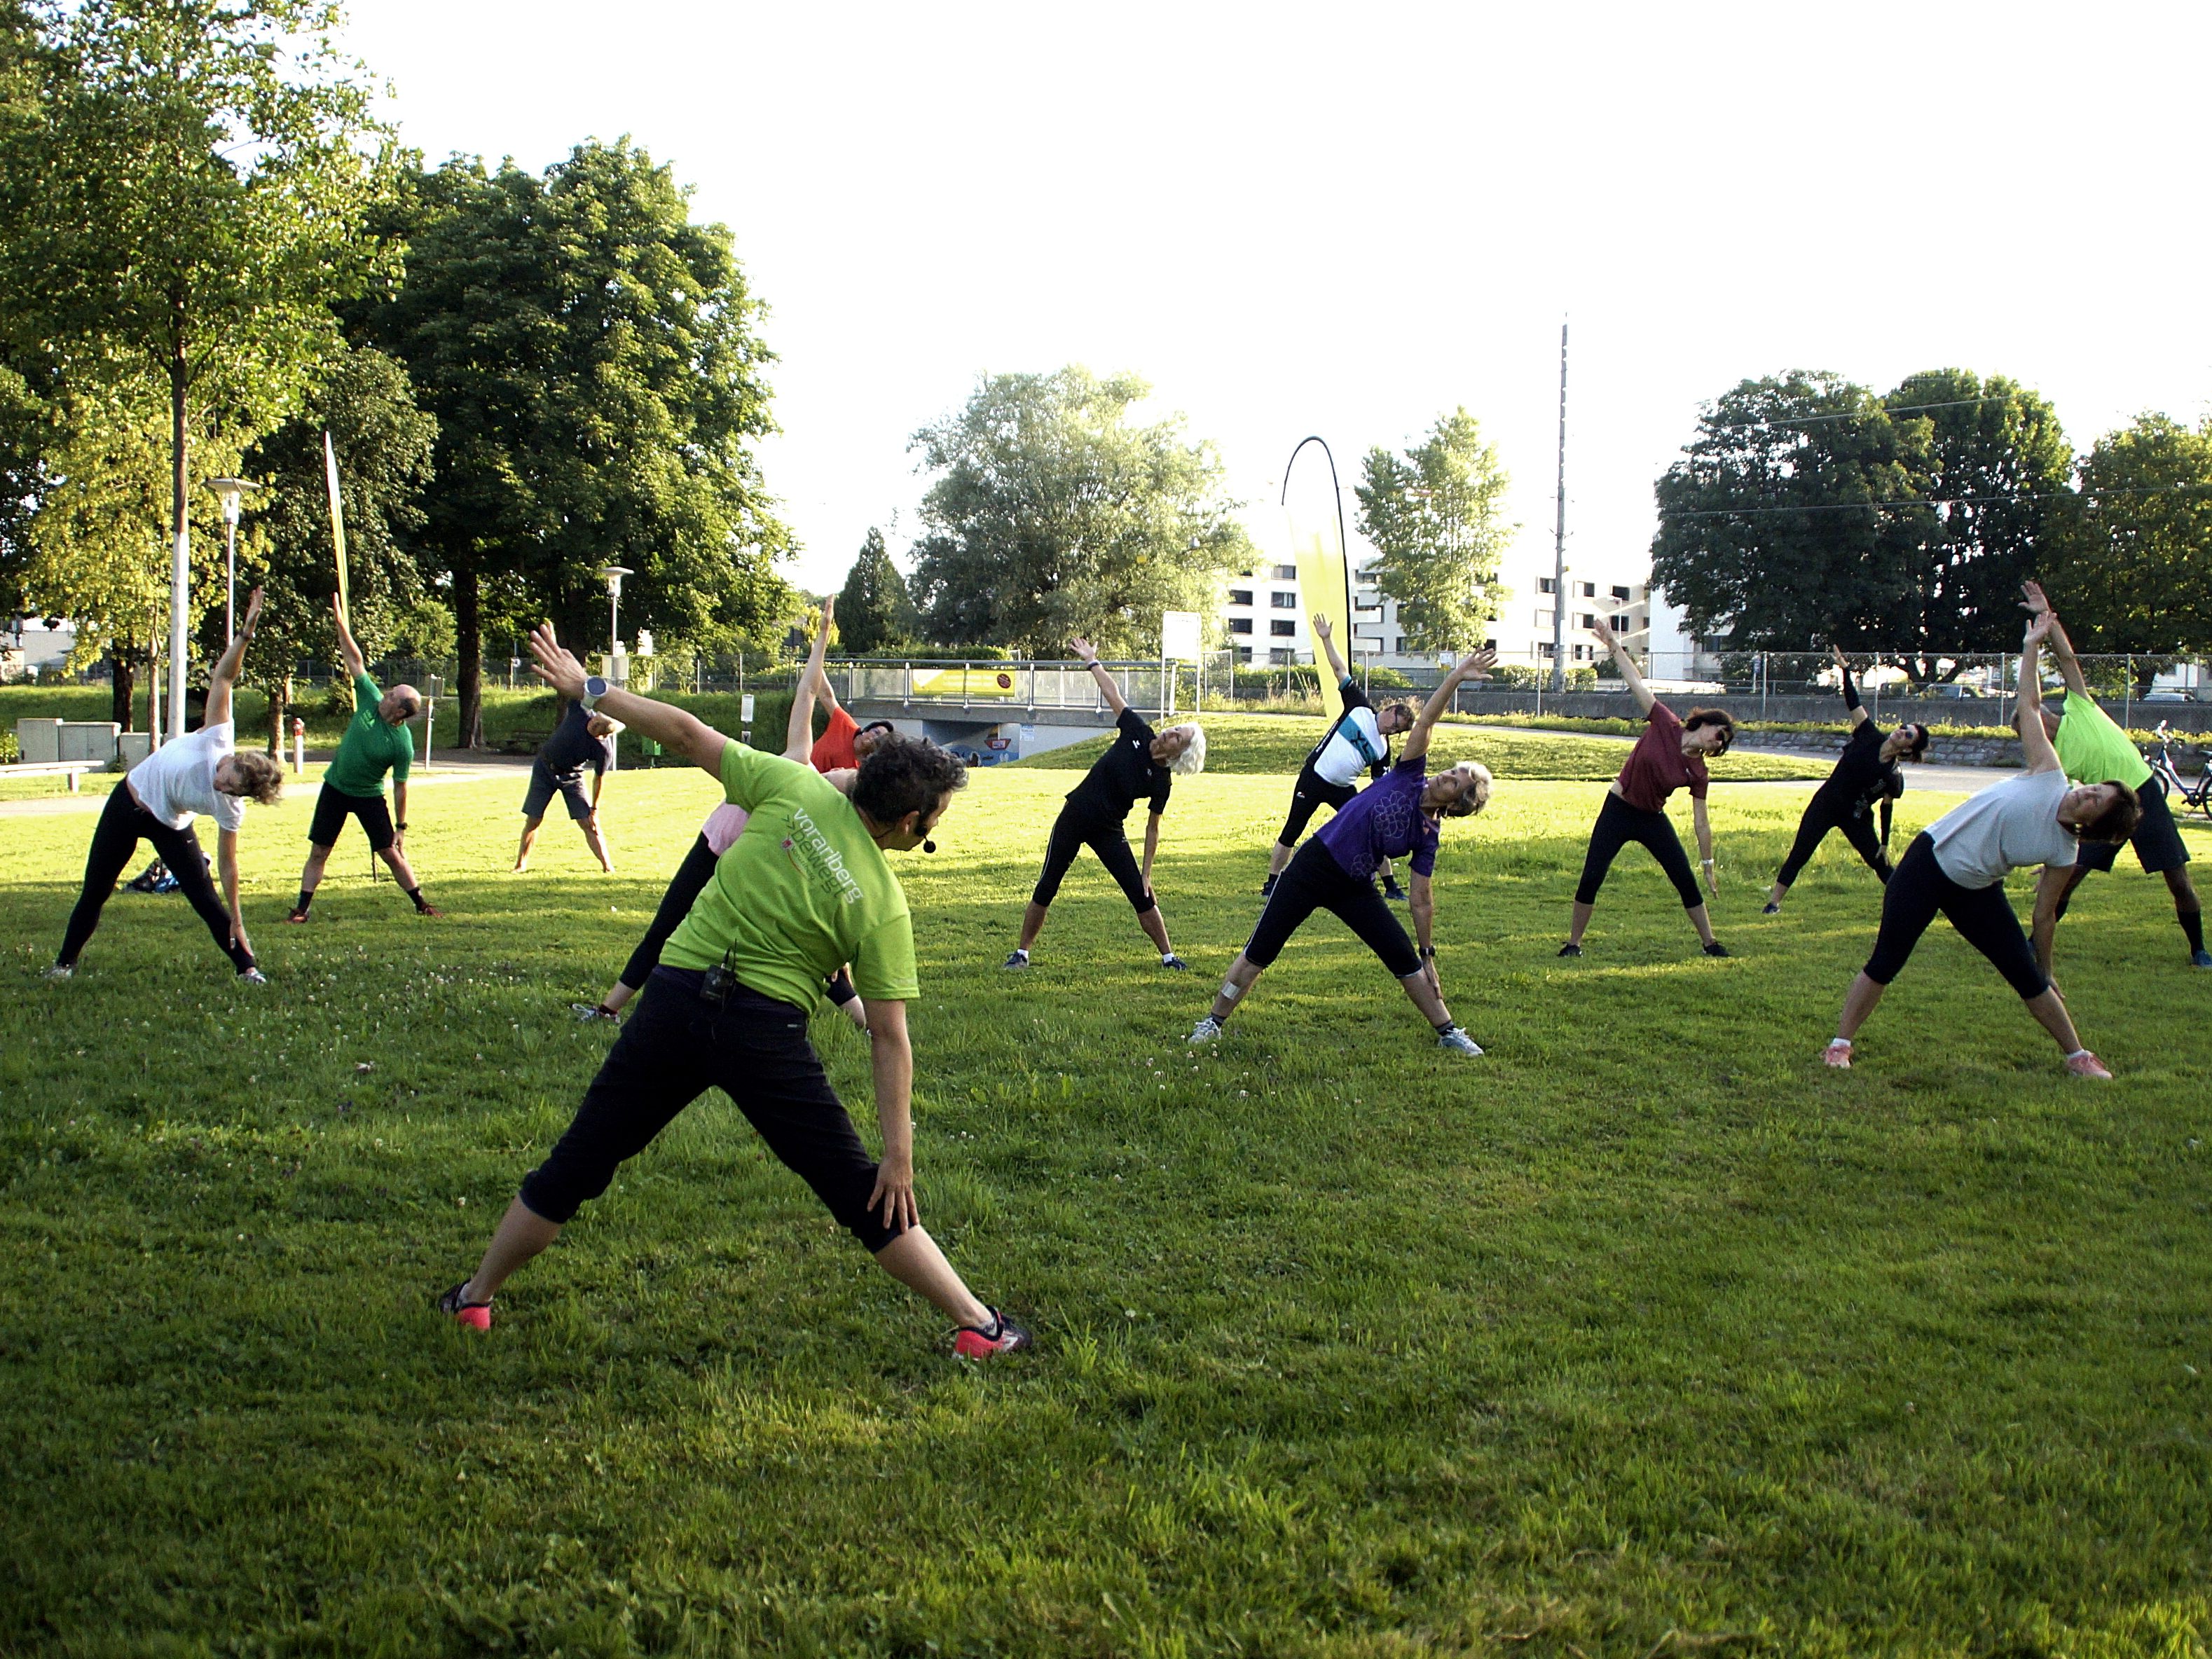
(1286, 573)
(1620, 624)
(1284, 601)
(1581, 654)
(1586, 620)
(1282, 657)
(1243, 654)
(1240, 596)
(1240, 625)
(1543, 619)
(1620, 595)
(1282, 628)
(1588, 590)
(1546, 585)
(1543, 648)
(1490, 645)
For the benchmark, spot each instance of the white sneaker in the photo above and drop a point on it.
(57, 971)
(1207, 1030)
(254, 976)
(1016, 959)
(1458, 1042)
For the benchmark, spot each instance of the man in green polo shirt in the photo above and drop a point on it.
(377, 742)
(2093, 749)
(804, 888)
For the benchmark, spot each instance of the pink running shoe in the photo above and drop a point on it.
(1004, 1337)
(1838, 1054)
(476, 1316)
(2086, 1064)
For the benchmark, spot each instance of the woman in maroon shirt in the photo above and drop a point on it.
(1669, 755)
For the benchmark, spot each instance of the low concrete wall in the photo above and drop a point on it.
(1745, 705)
(1941, 751)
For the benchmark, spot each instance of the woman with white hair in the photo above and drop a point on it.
(1138, 762)
(1400, 816)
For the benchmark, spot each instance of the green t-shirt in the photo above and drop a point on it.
(2092, 748)
(802, 891)
(370, 748)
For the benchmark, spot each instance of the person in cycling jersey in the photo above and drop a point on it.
(1359, 741)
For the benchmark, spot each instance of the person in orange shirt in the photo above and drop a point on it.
(845, 742)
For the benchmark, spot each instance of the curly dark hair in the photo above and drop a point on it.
(2117, 823)
(1716, 717)
(906, 775)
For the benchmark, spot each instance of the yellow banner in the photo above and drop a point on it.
(964, 682)
(1323, 589)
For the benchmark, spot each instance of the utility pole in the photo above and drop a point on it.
(1559, 540)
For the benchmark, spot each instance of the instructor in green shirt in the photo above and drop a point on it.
(2092, 749)
(804, 888)
(377, 742)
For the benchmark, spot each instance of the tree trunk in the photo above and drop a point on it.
(279, 701)
(179, 603)
(468, 632)
(120, 690)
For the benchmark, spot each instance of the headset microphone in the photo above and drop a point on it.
(928, 845)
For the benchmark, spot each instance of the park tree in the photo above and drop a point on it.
(180, 186)
(593, 358)
(1436, 515)
(1781, 528)
(1055, 516)
(2134, 572)
(874, 611)
(1996, 471)
(384, 446)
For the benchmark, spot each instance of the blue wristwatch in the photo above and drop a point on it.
(594, 689)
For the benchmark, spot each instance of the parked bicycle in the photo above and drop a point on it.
(2197, 794)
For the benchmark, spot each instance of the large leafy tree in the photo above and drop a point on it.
(180, 187)
(872, 608)
(1055, 516)
(593, 358)
(1777, 528)
(384, 446)
(1437, 517)
(2134, 572)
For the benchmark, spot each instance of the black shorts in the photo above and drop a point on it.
(333, 807)
(544, 786)
(1075, 830)
(1313, 881)
(1311, 794)
(2157, 839)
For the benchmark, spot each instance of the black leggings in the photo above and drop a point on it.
(1313, 880)
(1618, 823)
(1825, 812)
(122, 825)
(1071, 832)
(1983, 915)
(676, 1047)
(691, 880)
(1308, 796)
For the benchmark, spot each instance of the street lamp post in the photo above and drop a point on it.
(614, 574)
(231, 492)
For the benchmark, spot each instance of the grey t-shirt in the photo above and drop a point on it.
(2007, 827)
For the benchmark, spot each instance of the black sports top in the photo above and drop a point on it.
(1126, 771)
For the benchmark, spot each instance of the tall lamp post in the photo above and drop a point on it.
(231, 492)
(614, 574)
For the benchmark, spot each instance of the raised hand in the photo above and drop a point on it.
(554, 663)
(2033, 598)
(2039, 627)
(1842, 661)
(1322, 627)
(1603, 629)
(1476, 665)
(829, 614)
(1085, 650)
(252, 612)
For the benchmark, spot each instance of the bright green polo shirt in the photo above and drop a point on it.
(2092, 748)
(369, 748)
(802, 891)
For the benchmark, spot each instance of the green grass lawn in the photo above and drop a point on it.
(1643, 1335)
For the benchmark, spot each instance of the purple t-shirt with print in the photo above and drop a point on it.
(1384, 820)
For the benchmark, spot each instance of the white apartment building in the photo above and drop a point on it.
(1264, 618)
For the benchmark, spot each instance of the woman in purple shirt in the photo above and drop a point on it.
(1395, 817)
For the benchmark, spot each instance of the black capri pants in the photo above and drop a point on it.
(1313, 881)
(1618, 823)
(1312, 792)
(334, 806)
(1071, 832)
(691, 880)
(1823, 813)
(1983, 915)
(677, 1045)
(122, 825)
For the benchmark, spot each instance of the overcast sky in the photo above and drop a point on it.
(1347, 221)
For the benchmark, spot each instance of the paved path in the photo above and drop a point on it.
(453, 766)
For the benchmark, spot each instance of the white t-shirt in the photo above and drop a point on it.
(177, 779)
(1341, 760)
(723, 827)
(2007, 826)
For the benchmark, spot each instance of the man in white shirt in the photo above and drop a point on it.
(156, 802)
(1358, 741)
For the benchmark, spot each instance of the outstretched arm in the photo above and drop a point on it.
(671, 727)
(1850, 691)
(1475, 665)
(1325, 633)
(1107, 688)
(348, 652)
(226, 666)
(1623, 662)
(892, 1054)
(2049, 890)
(2061, 648)
(2034, 742)
(798, 732)
(1701, 821)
